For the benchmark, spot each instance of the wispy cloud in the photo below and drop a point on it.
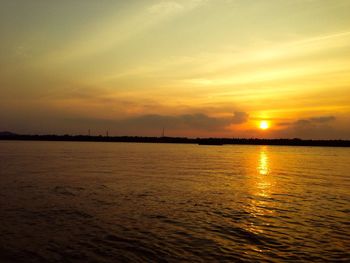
(110, 32)
(254, 64)
(166, 7)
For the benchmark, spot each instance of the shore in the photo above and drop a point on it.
(178, 140)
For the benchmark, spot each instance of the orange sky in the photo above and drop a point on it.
(194, 67)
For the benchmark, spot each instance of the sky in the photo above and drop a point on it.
(197, 68)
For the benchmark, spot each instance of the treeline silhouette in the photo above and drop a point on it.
(179, 140)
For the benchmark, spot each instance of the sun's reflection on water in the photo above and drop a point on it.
(264, 180)
(263, 166)
(262, 185)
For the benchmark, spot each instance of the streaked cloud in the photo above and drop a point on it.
(166, 7)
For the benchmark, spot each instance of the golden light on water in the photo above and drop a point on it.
(264, 181)
(262, 185)
(263, 166)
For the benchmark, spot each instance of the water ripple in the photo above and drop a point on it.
(112, 202)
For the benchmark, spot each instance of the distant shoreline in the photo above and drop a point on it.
(175, 140)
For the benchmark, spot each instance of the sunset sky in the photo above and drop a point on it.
(195, 67)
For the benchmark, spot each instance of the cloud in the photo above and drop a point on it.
(196, 121)
(314, 120)
(173, 7)
(175, 124)
(308, 128)
(106, 34)
(166, 7)
(239, 117)
(308, 122)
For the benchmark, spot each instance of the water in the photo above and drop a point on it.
(112, 202)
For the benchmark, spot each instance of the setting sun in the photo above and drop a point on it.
(175, 130)
(264, 125)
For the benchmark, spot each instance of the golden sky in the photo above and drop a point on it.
(194, 67)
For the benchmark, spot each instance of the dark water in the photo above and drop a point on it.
(110, 202)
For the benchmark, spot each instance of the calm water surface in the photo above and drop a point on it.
(112, 202)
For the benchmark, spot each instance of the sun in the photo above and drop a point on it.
(264, 125)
